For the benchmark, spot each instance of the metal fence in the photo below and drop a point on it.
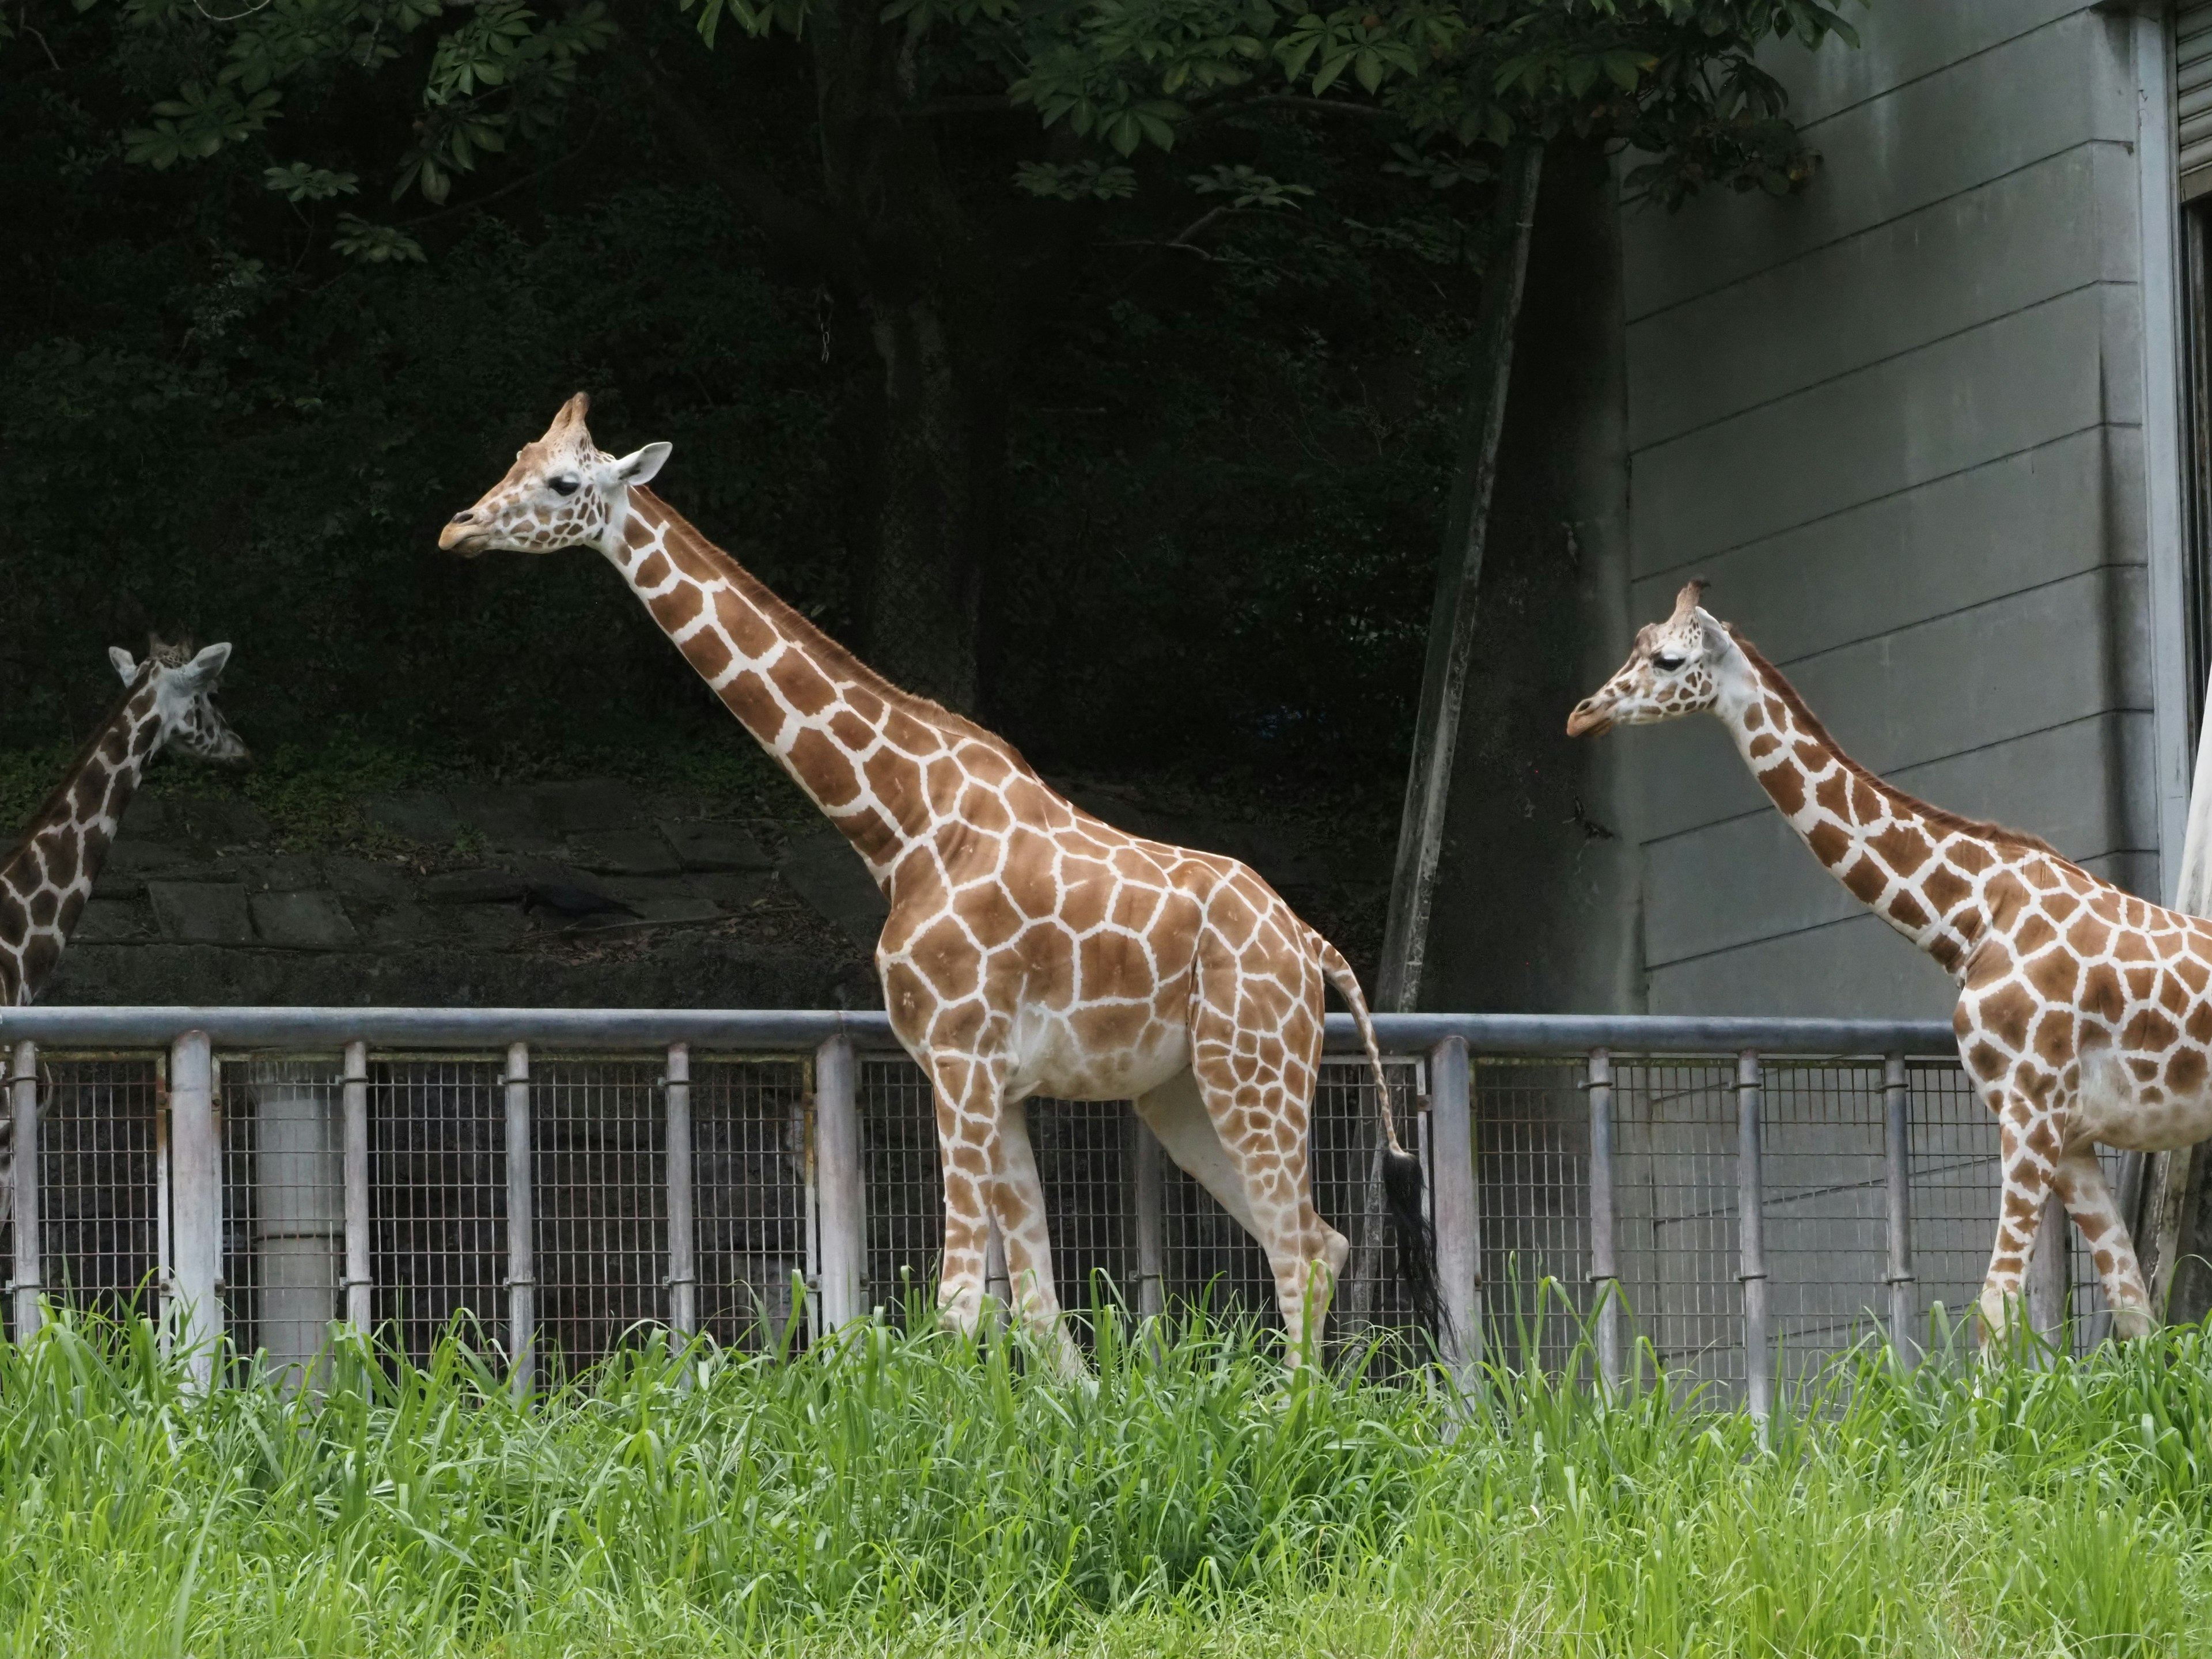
(557, 1180)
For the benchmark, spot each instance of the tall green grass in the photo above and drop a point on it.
(904, 1493)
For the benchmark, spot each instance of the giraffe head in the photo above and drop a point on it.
(562, 491)
(1679, 666)
(179, 687)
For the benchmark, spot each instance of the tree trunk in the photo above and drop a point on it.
(931, 283)
(1459, 577)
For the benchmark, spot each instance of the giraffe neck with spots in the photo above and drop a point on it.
(854, 742)
(46, 878)
(1920, 869)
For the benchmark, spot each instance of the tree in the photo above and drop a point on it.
(968, 157)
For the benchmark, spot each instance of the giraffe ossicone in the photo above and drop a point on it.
(1030, 948)
(2084, 1014)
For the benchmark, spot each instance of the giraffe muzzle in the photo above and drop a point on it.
(465, 536)
(1588, 720)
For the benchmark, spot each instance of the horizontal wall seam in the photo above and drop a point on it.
(1871, 226)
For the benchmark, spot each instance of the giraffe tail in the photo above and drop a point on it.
(1403, 1179)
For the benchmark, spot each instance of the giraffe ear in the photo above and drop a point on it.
(124, 666)
(640, 465)
(201, 672)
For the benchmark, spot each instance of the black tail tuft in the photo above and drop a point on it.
(1417, 1240)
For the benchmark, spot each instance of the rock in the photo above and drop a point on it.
(504, 817)
(824, 869)
(201, 912)
(473, 887)
(108, 920)
(588, 803)
(366, 879)
(715, 847)
(425, 816)
(623, 853)
(734, 890)
(131, 856)
(215, 821)
(283, 873)
(303, 921)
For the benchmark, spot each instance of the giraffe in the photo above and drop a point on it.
(1030, 949)
(2083, 1014)
(167, 700)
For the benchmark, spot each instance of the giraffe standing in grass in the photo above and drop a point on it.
(1030, 949)
(168, 702)
(2083, 1015)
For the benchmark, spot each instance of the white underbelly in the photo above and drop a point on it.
(2112, 1111)
(1051, 1058)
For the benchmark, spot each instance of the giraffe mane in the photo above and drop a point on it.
(1939, 817)
(831, 654)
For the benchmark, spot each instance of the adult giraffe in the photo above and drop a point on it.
(1030, 948)
(168, 701)
(2083, 1016)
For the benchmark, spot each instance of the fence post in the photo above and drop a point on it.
(2048, 1275)
(195, 1170)
(1897, 1163)
(1152, 1242)
(683, 1272)
(23, 1101)
(353, 1085)
(1454, 1205)
(1750, 1239)
(842, 1201)
(1605, 1262)
(521, 1256)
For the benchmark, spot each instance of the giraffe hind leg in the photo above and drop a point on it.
(2080, 1181)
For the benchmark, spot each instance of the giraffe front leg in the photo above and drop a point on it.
(968, 1094)
(1017, 1202)
(2080, 1181)
(2027, 1164)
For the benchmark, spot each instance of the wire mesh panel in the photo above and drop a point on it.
(1532, 1196)
(599, 1183)
(283, 1205)
(98, 1124)
(437, 1199)
(749, 1185)
(1674, 1136)
(905, 1191)
(1826, 1206)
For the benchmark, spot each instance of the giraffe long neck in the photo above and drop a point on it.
(1920, 869)
(46, 880)
(858, 745)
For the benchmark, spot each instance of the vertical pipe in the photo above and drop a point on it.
(521, 1258)
(1751, 1239)
(683, 1273)
(299, 1227)
(2048, 1278)
(165, 1259)
(838, 1196)
(1604, 1260)
(354, 1087)
(1152, 1242)
(1458, 1225)
(810, 1270)
(1897, 1164)
(23, 1101)
(195, 1170)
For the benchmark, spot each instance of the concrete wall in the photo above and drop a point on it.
(1897, 421)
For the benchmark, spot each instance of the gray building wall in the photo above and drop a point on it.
(1897, 421)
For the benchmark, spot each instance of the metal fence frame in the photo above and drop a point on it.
(830, 1046)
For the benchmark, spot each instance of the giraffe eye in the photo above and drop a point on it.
(566, 485)
(1667, 665)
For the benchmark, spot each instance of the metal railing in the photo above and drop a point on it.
(1740, 1187)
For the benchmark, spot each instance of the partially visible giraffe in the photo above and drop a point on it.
(167, 700)
(2083, 1014)
(1030, 949)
